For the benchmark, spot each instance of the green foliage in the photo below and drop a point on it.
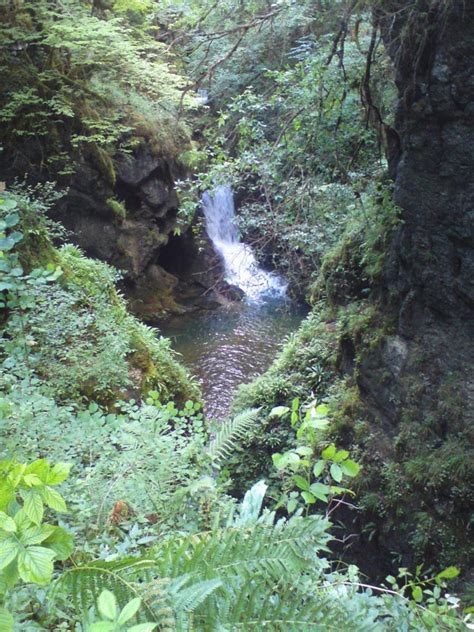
(115, 619)
(81, 83)
(140, 459)
(314, 478)
(229, 434)
(67, 324)
(250, 573)
(159, 542)
(28, 545)
(117, 208)
(296, 142)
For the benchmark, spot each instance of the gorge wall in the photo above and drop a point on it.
(130, 219)
(418, 382)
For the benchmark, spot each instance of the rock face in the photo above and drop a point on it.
(128, 218)
(430, 278)
(420, 380)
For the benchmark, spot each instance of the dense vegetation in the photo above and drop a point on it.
(162, 519)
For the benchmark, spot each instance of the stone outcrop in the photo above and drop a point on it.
(429, 279)
(129, 219)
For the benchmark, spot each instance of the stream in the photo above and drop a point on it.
(234, 344)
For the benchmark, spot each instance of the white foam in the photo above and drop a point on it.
(241, 267)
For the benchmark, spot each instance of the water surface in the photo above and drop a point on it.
(231, 345)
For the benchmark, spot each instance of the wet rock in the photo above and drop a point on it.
(133, 169)
(163, 272)
(151, 297)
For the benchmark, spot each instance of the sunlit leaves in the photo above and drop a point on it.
(6, 620)
(35, 564)
(314, 478)
(28, 546)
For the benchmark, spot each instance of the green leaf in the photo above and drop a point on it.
(54, 499)
(61, 542)
(32, 480)
(7, 523)
(58, 473)
(292, 458)
(292, 504)
(448, 573)
(329, 452)
(350, 468)
(322, 410)
(279, 411)
(417, 594)
(9, 549)
(12, 220)
(336, 472)
(36, 535)
(340, 490)
(6, 621)
(33, 506)
(319, 467)
(129, 610)
(22, 521)
(301, 482)
(341, 455)
(6, 243)
(320, 491)
(308, 497)
(7, 203)
(40, 467)
(277, 460)
(107, 605)
(102, 626)
(35, 564)
(304, 450)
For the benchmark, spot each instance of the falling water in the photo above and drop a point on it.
(241, 267)
(227, 347)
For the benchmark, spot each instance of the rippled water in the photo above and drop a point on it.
(235, 344)
(232, 345)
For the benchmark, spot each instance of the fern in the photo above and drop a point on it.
(230, 433)
(188, 599)
(126, 578)
(270, 551)
(258, 577)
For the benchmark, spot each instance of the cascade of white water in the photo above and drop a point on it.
(240, 264)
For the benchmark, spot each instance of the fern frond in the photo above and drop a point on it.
(230, 433)
(126, 578)
(189, 598)
(270, 551)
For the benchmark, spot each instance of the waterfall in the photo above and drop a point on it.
(241, 267)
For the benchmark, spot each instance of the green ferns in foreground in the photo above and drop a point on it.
(248, 571)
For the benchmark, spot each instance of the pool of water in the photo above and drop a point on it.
(231, 345)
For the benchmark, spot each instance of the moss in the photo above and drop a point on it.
(117, 208)
(104, 163)
(152, 363)
(415, 487)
